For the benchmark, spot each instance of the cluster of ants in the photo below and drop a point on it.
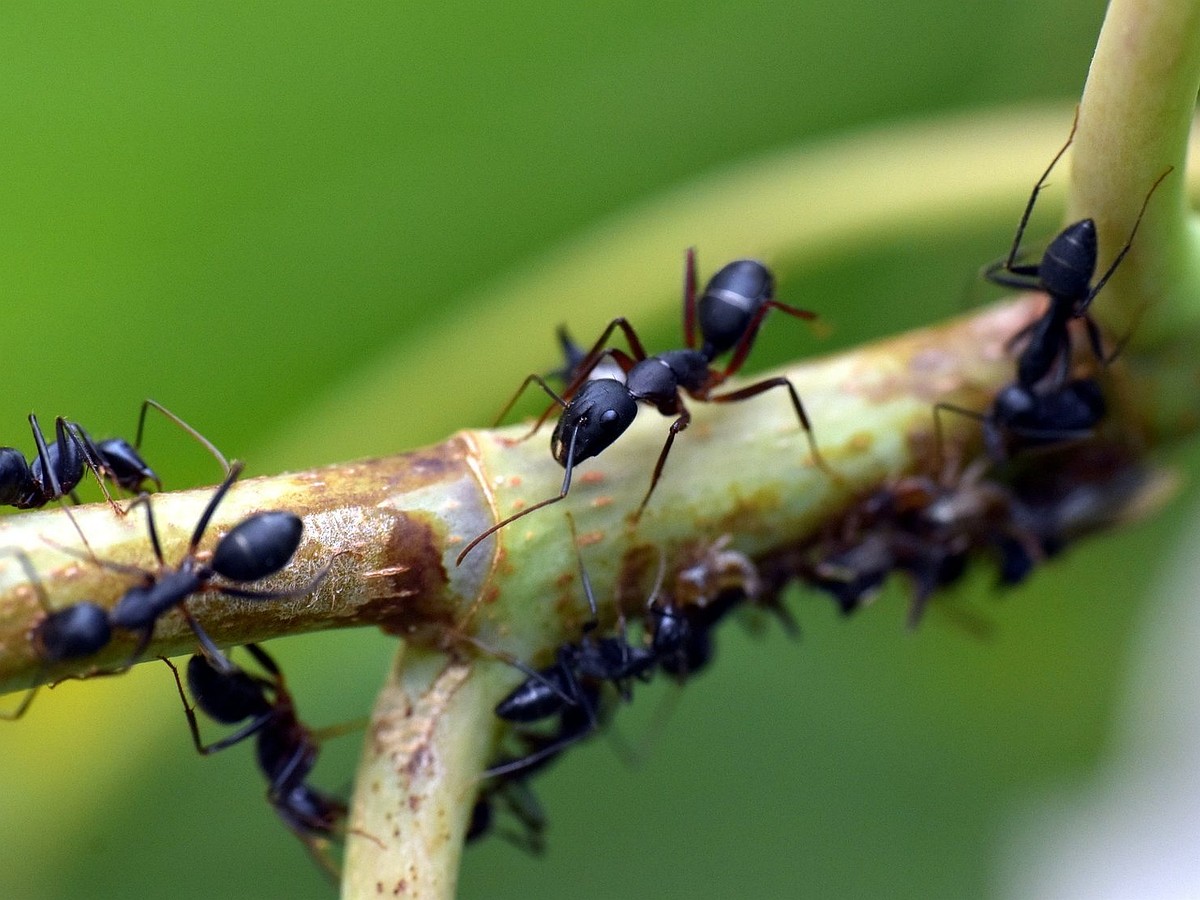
(924, 526)
(259, 546)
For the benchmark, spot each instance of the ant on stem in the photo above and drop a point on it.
(1065, 274)
(72, 632)
(286, 748)
(570, 687)
(1036, 408)
(260, 545)
(598, 411)
(58, 467)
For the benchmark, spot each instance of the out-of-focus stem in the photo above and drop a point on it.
(1134, 121)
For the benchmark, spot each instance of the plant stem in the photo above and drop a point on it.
(1134, 121)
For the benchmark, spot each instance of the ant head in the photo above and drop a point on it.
(729, 302)
(595, 417)
(1069, 262)
(125, 465)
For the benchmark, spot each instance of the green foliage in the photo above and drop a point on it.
(240, 212)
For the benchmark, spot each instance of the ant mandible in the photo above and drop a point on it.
(286, 747)
(1064, 273)
(596, 412)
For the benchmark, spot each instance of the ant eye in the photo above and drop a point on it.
(609, 415)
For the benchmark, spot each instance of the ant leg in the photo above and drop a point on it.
(282, 594)
(69, 462)
(940, 434)
(598, 350)
(208, 647)
(236, 737)
(267, 662)
(1005, 274)
(588, 592)
(527, 671)
(1016, 245)
(541, 382)
(91, 457)
(1091, 295)
(200, 439)
(576, 732)
(689, 298)
(744, 343)
(235, 470)
(780, 381)
(677, 426)
(22, 707)
(569, 466)
(143, 499)
(43, 453)
(44, 602)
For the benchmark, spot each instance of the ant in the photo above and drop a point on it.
(570, 687)
(596, 412)
(258, 546)
(59, 467)
(122, 463)
(520, 801)
(286, 747)
(704, 592)
(927, 528)
(1065, 274)
(573, 356)
(1029, 412)
(72, 632)
(1023, 416)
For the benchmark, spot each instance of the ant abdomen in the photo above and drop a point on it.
(75, 631)
(730, 299)
(227, 697)
(1069, 262)
(258, 546)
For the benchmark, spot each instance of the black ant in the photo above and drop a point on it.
(596, 412)
(573, 356)
(704, 592)
(59, 467)
(72, 632)
(927, 528)
(53, 474)
(1024, 416)
(286, 748)
(518, 798)
(258, 546)
(121, 462)
(570, 688)
(1065, 274)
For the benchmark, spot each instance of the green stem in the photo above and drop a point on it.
(1135, 119)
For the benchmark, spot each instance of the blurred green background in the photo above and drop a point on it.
(250, 212)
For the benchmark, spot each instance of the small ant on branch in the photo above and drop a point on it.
(286, 748)
(596, 412)
(1043, 406)
(58, 468)
(1064, 273)
(71, 632)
